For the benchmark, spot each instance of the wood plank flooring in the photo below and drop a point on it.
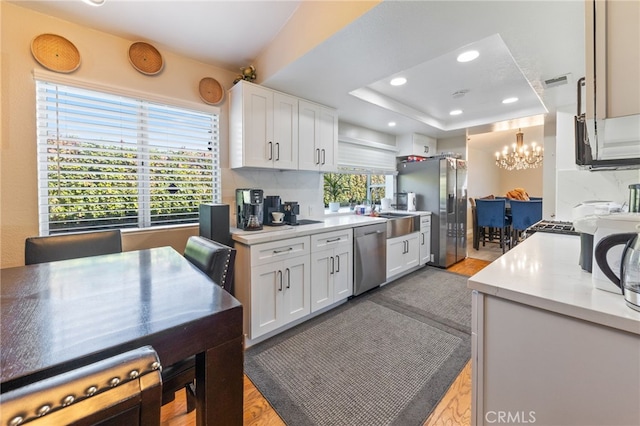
(453, 409)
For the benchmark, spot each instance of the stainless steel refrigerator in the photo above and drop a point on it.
(440, 185)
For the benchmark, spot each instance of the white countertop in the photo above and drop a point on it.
(275, 233)
(543, 272)
(329, 223)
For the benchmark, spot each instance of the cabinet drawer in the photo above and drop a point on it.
(279, 250)
(332, 239)
(425, 221)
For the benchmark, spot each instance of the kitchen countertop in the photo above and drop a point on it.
(329, 223)
(543, 272)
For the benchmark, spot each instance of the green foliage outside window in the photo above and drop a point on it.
(350, 188)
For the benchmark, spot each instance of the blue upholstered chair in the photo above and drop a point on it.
(491, 214)
(523, 215)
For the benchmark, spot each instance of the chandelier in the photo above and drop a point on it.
(520, 157)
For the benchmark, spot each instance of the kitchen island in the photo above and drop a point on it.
(547, 346)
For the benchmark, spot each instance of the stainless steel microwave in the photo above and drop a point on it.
(608, 132)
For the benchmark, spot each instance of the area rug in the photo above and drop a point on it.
(386, 357)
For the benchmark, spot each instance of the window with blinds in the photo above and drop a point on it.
(110, 161)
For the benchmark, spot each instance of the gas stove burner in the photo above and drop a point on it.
(553, 226)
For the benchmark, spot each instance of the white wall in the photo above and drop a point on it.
(456, 144)
(104, 61)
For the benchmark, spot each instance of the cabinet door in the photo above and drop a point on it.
(266, 298)
(396, 248)
(328, 139)
(308, 136)
(285, 131)
(322, 279)
(412, 255)
(296, 283)
(343, 274)
(257, 137)
(425, 246)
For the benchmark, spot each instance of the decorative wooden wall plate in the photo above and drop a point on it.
(145, 58)
(55, 53)
(211, 92)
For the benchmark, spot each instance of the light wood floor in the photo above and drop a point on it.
(453, 409)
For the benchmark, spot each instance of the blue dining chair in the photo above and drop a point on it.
(523, 215)
(492, 214)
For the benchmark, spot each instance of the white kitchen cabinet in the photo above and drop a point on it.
(425, 239)
(263, 129)
(403, 253)
(280, 294)
(273, 283)
(416, 144)
(318, 137)
(331, 268)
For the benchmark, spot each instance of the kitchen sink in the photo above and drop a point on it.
(401, 223)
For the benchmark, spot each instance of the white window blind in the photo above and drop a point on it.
(111, 161)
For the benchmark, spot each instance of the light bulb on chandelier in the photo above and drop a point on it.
(520, 157)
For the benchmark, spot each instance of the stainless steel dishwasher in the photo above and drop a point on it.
(370, 257)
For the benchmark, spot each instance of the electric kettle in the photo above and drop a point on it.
(629, 281)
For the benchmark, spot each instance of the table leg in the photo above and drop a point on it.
(219, 384)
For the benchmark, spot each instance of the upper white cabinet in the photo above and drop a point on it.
(416, 144)
(270, 129)
(263, 130)
(318, 137)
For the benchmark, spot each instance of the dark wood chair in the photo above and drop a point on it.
(217, 261)
(71, 246)
(122, 390)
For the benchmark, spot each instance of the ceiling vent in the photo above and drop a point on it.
(557, 81)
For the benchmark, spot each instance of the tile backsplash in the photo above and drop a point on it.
(304, 187)
(576, 186)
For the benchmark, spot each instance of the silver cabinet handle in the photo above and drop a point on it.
(280, 273)
(270, 150)
(333, 240)
(332, 266)
(283, 251)
(422, 238)
(288, 271)
(277, 151)
(338, 268)
(317, 156)
(323, 156)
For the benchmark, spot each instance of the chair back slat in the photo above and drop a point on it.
(213, 258)
(525, 213)
(71, 246)
(491, 213)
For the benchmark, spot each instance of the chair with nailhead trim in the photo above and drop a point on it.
(125, 389)
(71, 246)
(217, 261)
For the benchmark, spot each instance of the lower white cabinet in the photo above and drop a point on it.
(403, 253)
(273, 282)
(425, 239)
(279, 294)
(331, 268)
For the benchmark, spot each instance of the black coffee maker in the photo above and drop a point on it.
(291, 211)
(271, 204)
(249, 209)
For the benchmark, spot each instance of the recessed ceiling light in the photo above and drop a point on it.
(398, 81)
(456, 112)
(94, 2)
(509, 100)
(392, 124)
(467, 56)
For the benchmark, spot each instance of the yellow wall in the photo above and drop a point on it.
(104, 61)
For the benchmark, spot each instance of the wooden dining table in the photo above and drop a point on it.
(57, 316)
